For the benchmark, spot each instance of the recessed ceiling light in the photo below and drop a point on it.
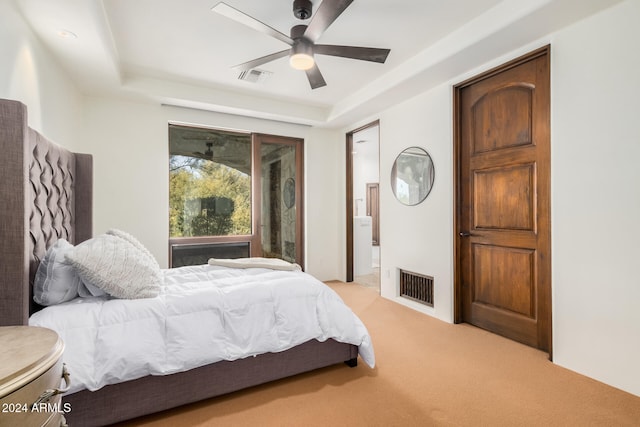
(66, 34)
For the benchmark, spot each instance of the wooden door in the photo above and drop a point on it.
(503, 279)
(373, 208)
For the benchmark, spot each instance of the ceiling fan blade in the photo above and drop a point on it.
(233, 13)
(315, 77)
(328, 12)
(262, 60)
(354, 52)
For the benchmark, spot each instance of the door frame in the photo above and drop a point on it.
(457, 203)
(257, 139)
(349, 195)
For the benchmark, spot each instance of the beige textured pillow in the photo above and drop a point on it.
(135, 242)
(117, 267)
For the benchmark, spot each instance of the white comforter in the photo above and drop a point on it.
(204, 314)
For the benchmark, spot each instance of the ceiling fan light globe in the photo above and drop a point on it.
(301, 61)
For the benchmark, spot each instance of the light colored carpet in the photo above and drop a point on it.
(428, 373)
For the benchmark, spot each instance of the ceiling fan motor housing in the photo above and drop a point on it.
(302, 9)
(297, 31)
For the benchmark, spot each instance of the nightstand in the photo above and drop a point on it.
(31, 371)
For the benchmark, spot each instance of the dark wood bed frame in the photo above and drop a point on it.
(46, 196)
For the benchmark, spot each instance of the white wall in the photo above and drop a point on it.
(423, 121)
(595, 141)
(129, 144)
(595, 206)
(366, 166)
(325, 208)
(28, 73)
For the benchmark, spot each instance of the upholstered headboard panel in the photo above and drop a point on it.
(46, 196)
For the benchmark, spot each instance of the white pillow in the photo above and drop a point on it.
(135, 242)
(56, 280)
(117, 267)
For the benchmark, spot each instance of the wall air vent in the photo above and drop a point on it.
(254, 75)
(416, 287)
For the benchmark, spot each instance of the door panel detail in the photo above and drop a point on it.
(504, 277)
(504, 198)
(502, 118)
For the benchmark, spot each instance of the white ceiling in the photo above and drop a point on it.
(181, 53)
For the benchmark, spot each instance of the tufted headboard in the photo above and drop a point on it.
(46, 195)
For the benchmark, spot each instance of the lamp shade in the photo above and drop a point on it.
(301, 57)
(301, 61)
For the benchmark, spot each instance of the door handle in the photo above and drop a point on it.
(465, 234)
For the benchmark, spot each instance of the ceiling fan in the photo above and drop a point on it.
(208, 154)
(303, 38)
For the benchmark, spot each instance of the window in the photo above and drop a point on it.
(234, 194)
(209, 182)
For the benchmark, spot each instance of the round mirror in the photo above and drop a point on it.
(412, 176)
(289, 193)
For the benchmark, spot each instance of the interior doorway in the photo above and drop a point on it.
(363, 206)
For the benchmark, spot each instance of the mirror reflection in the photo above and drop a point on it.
(412, 176)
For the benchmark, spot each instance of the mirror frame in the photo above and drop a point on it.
(408, 157)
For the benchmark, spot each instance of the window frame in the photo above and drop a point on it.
(255, 238)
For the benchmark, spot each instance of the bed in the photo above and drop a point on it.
(46, 197)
